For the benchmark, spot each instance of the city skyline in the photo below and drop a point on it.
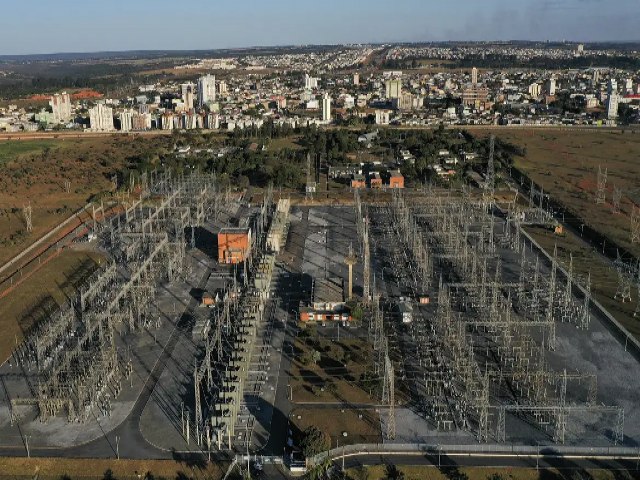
(99, 28)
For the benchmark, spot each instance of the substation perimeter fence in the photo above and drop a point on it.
(631, 343)
(471, 449)
(40, 253)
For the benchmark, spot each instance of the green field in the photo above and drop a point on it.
(12, 149)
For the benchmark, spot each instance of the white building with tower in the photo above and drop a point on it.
(612, 105)
(326, 108)
(382, 117)
(310, 83)
(188, 95)
(551, 86)
(61, 107)
(393, 88)
(126, 121)
(206, 90)
(101, 118)
(535, 90)
(474, 76)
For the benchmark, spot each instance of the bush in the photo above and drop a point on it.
(313, 441)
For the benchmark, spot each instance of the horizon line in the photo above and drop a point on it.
(299, 45)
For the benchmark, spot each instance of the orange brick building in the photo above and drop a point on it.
(375, 181)
(358, 181)
(396, 180)
(233, 244)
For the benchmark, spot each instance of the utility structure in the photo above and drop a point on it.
(388, 395)
(635, 224)
(26, 211)
(617, 197)
(366, 263)
(625, 274)
(74, 352)
(310, 188)
(490, 181)
(480, 344)
(601, 192)
(350, 260)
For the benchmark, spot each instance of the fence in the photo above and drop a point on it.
(476, 449)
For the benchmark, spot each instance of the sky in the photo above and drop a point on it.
(52, 26)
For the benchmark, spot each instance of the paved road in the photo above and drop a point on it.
(452, 461)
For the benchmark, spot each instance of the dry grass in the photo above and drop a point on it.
(482, 473)
(278, 144)
(35, 171)
(57, 468)
(565, 163)
(362, 426)
(54, 281)
(330, 380)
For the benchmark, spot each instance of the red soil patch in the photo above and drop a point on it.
(86, 94)
(587, 185)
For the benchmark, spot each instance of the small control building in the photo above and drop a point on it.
(234, 244)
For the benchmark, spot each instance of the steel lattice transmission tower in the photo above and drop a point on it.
(388, 396)
(490, 181)
(601, 193)
(635, 224)
(623, 291)
(617, 197)
(26, 211)
(367, 261)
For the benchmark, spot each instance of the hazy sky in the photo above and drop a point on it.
(45, 26)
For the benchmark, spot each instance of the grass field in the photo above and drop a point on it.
(565, 163)
(11, 149)
(97, 469)
(336, 376)
(379, 472)
(35, 172)
(51, 284)
(360, 425)
(286, 142)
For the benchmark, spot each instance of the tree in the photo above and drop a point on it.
(315, 356)
(357, 312)
(392, 472)
(313, 441)
(495, 476)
